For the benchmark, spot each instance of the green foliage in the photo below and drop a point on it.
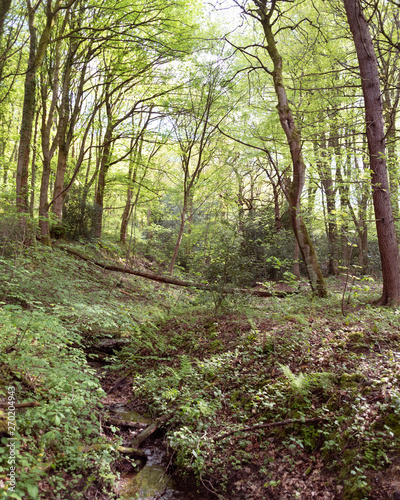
(304, 383)
(40, 354)
(16, 231)
(78, 214)
(49, 301)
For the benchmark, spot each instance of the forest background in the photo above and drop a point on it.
(156, 125)
(235, 145)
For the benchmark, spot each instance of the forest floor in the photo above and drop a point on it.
(266, 398)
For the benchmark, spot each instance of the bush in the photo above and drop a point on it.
(78, 215)
(16, 231)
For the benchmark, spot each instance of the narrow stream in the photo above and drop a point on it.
(152, 482)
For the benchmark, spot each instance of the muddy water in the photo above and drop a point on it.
(152, 482)
(131, 415)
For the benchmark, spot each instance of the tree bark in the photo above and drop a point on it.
(67, 122)
(330, 193)
(180, 235)
(390, 105)
(388, 248)
(28, 112)
(4, 8)
(101, 181)
(48, 146)
(135, 159)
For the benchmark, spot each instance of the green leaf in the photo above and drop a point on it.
(33, 490)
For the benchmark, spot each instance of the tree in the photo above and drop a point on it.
(375, 130)
(195, 127)
(37, 52)
(267, 14)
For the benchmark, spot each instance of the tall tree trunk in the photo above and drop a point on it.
(37, 52)
(67, 122)
(127, 209)
(135, 159)
(330, 193)
(362, 226)
(33, 169)
(28, 112)
(48, 147)
(101, 181)
(390, 104)
(4, 8)
(388, 248)
(296, 262)
(288, 124)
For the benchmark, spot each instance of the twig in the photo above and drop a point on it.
(272, 424)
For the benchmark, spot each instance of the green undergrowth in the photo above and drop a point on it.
(286, 361)
(39, 364)
(53, 307)
(217, 364)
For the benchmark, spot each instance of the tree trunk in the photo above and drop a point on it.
(180, 234)
(28, 112)
(296, 256)
(362, 227)
(59, 196)
(288, 124)
(4, 7)
(48, 148)
(33, 167)
(135, 158)
(330, 194)
(390, 104)
(126, 213)
(37, 52)
(388, 248)
(101, 182)
(67, 123)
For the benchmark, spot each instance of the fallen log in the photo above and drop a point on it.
(121, 449)
(28, 404)
(271, 425)
(174, 281)
(149, 430)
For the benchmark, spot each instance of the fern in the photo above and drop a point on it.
(185, 371)
(306, 383)
(299, 383)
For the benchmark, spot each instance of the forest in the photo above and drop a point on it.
(199, 259)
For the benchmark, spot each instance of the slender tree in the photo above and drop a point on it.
(266, 15)
(195, 127)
